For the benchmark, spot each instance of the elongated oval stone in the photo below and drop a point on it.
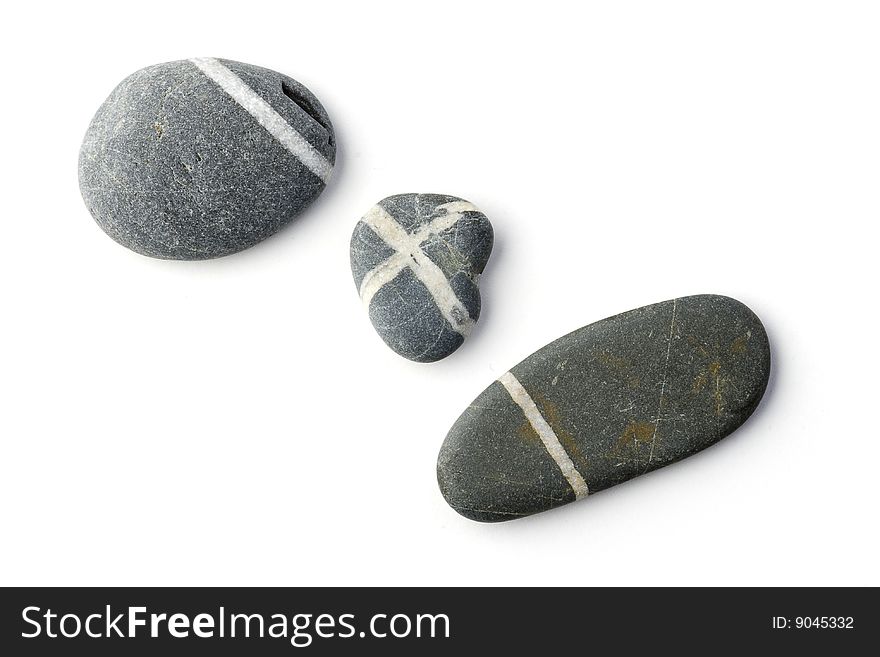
(204, 157)
(416, 260)
(606, 403)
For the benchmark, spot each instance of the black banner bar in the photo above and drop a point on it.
(278, 621)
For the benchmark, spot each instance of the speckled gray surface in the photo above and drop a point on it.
(174, 166)
(416, 260)
(606, 403)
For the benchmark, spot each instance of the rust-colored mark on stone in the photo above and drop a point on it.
(712, 380)
(621, 368)
(551, 413)
(635, 434)
(740, 345)
(526, 433)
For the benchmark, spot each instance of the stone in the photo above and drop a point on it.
(201, 158)
(606, 403)
(416, 261)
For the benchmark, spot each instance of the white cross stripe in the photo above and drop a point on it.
(386, 227)
(454, 212)
(409, 253)
(381, 274)
(266, 116)
(545, 432)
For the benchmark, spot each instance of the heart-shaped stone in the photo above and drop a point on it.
(416, 260)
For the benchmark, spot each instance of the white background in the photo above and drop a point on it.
(238, 421)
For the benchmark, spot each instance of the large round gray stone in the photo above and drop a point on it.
(416, 260)
(604, 404)
(202, 158)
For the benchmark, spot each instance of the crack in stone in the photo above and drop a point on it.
(662, 385)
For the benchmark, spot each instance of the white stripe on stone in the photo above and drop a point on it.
(386, 227)
(458, 206)
(456, 210)
(266, 116)
(408, 253)
(545, 433)
(380, 275)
